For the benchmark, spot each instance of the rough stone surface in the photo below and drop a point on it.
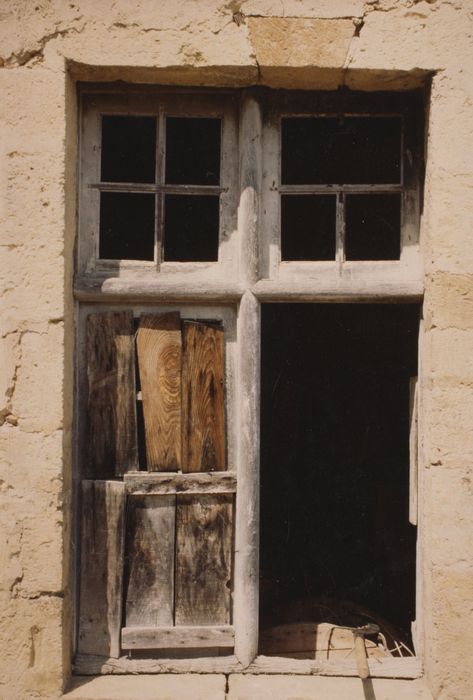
(248, 687)
(315, 44)
(162, 687)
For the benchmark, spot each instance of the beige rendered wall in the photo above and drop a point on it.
(45, 45)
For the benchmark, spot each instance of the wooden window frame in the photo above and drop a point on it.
(248, 272)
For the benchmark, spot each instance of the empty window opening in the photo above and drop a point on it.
(336, 543)
(160, 188)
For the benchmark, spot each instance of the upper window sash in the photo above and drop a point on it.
(122, 192)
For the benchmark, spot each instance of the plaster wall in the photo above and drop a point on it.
(318, 44)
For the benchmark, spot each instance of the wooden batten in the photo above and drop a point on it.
(204, 529)
(111, 428)
(142, 483)
(203, 397)
(177, 637)
(158, 347)
(413, 450)
(150, 560)
(101, 577)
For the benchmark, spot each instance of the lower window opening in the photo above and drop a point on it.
(337, 548)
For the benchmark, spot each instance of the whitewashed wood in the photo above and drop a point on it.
(89, 665)
(142, 483)
(101, 580)
(408, 668)
(177, 637)
(250, 186)
(413, 451)
(152, 288)
(246, 600)
(307, 291)
(150, 546)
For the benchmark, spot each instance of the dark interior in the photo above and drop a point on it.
(335, 460)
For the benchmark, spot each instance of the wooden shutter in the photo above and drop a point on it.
(173, 569)
(111, 415)
(101, 571)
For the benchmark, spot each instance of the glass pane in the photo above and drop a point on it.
(308, 227)
(128, 149)
(192, 151)
(191, 228)
(373, 227)
(126, 226)
(350, 150)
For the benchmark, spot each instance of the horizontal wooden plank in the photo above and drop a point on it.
(177, 637)
(343, 290)
(334, 189)
(146, 286)
(144, 483)
(90, 665)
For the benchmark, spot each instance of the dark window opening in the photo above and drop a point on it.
(345, 150)
(308, 227)
(336, 543)
(126, 226)
(192, 151)
(191, 224)
(373, 227)
(128, 149)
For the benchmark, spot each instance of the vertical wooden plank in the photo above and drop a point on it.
(246, 606)
(150, 560)
(101, 573)
(203, 398)
(111, 444)
(203, 559)
(159, 359)
(413, 451)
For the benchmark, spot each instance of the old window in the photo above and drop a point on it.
(202, 216)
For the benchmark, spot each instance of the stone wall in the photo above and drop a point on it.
(319, 44)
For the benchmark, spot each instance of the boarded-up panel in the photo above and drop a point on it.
(203, 559)
(177, 637)
(150, 560)
(101, 575)
(159, 359)
(111, 441)
(203, 400)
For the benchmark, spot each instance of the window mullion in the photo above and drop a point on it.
(160, 170)
(340, 230)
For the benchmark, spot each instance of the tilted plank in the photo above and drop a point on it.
(159, 360)
(150, 560)
(203, 559)
(413, 450)
(177, 637)
(101, 575)
(203, 398)
(112, 442)
(142, 483)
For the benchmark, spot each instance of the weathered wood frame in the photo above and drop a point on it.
(248, 273)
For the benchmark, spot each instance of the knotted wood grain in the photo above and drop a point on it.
(159, 361)
(111, 416)
(203, 397)
(203, 559)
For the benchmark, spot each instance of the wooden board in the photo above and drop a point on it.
(159, 358)
(150, 560)
(203, 559)
(100, 611)
(413, 450)
(142, 483)
(111, 435)
(177, 637)
(203, 398)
